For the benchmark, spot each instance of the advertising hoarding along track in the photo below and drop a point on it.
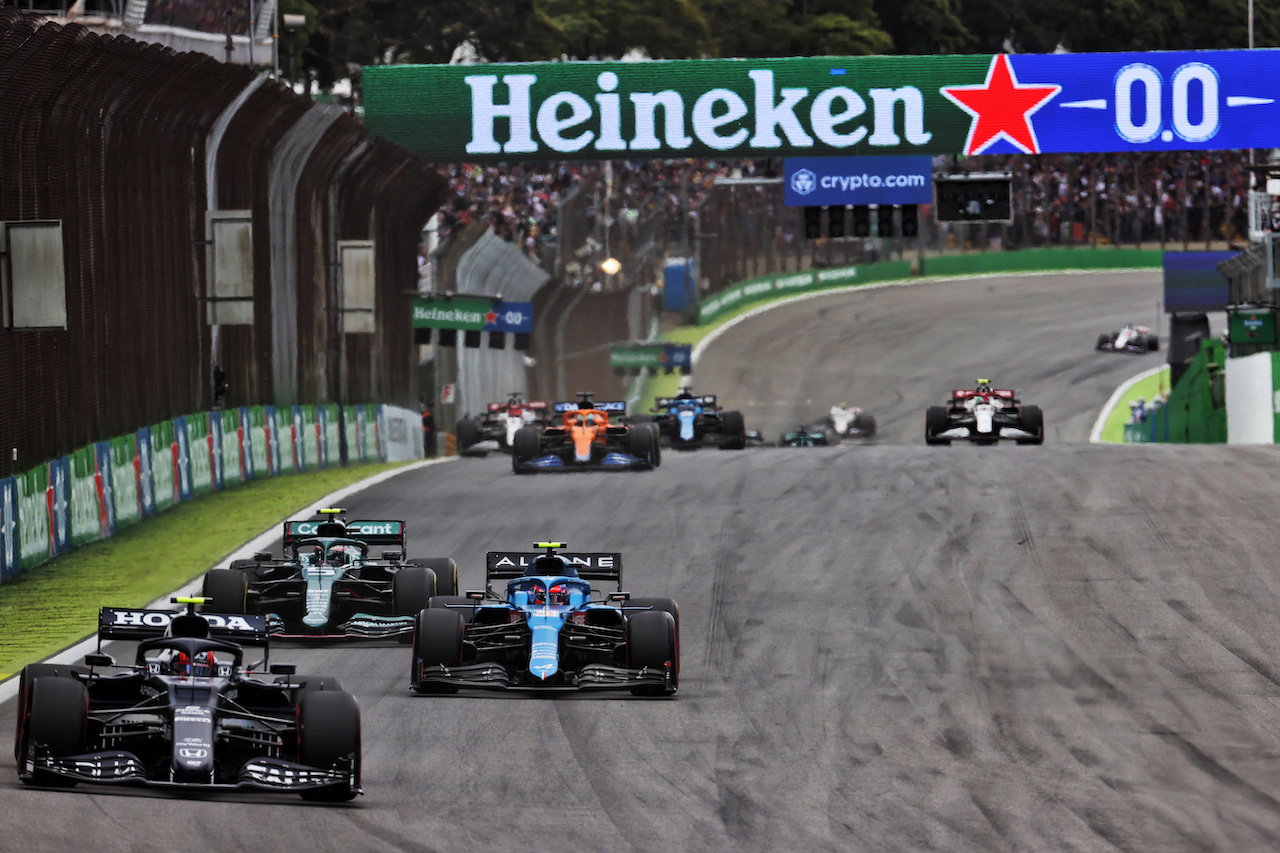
(827, 106)
(474, 314)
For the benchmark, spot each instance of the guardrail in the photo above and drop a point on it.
(109, 485)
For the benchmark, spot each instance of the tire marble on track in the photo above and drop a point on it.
(885, 647)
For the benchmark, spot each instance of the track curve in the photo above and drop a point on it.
(889, 647)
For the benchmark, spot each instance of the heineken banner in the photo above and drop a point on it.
(60, 504)
(199, 454)
(164, 466)
(823, 106)
(87, 518)
(231, 446)
(106, 488)
(9, 564)
(124, 481)
(471, 314)
(143, 459)
(33, 517)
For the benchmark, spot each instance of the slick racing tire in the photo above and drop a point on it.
(656, 436)
(935, 421)
(437, 641)
(1103, 340)
(866, 424)
(56, 716)
(411, 589)
(735, 431)
(455, 603)
(329, 731)
(467, 434)
(1153, 343)
(446, 573)
(664, 605)
(651, 642)
(1032, 422)
(225, 591)
(525, 447)
(640, 444)
(30, 673)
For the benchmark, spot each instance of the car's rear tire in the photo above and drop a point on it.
(867, 425)
(446, 573)
(329, 731)
(1103, 340)
(525, 447)
(56, 716)
(225, 591)
(935, 422)
(30, 673)
(735, 431)
(466, 433)
(1153, 343)
(437, 641)
(411, 587)
(651, 642)
(1032, 422)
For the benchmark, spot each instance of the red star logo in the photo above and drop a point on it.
(491, 318)
(1001, 107)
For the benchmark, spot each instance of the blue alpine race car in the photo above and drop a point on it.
(548, 633)
(687, 421)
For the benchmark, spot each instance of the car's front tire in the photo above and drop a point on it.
(56, 717)
(935, 422)
(329, 731)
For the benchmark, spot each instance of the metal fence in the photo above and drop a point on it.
(115, 138)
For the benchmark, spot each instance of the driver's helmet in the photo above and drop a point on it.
(984, 386)
(558, 594)
(843, 404)
(341, 555)
(181, 663)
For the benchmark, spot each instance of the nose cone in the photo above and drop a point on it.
(582, 438)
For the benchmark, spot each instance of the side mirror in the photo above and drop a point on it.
(620, 596)
(283, 669)
(99, 659)
(262, 556)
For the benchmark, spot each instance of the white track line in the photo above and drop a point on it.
(9, 688)
(905, 282)
(1095, 436)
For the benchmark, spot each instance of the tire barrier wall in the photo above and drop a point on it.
(107, 486)
(119, 140)
(777, 285)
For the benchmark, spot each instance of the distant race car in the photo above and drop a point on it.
(984, 415)
(549, 632)
(188, 713)
(587, 438)
(497, 427)
(687, 421)
(328, 586)
(851, 422)
(807, 435)
(1136, 339)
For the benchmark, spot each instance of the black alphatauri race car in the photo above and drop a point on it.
(188, 713)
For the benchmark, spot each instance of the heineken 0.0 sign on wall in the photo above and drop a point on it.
(823, 106)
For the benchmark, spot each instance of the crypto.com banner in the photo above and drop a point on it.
(824, 106)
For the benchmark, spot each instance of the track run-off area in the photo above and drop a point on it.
(885, 646)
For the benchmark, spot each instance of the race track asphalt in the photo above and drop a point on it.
(885, 647)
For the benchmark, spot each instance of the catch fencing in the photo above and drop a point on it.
(131, 146)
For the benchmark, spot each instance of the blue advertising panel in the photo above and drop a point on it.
(8, 529)
(60, 504)
(106, 488)
(146, 482)
(677, 356)
(183, 462)
(820, 181)
(1193, 283)
(509, 317)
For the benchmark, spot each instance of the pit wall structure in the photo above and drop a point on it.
(107, 486)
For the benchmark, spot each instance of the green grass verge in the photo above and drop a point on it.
(1148, 389)
(56, 604)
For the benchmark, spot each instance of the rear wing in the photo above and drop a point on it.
(590, 565)
(370, 532)
(966, 393)
(668, 402)
(610, 406)
(118, 623)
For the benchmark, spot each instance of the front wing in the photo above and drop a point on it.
(488, 676)
(613, 461)
(361, 626)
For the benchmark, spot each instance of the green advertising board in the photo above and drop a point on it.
(463, 313)
(124, 480)
(1257, 326)
(643, 356)
(787, 284)
(163, 488)
(33, 517)
(199, 453)
(230, 446)
(86, 509)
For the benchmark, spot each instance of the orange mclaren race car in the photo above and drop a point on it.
(590, 435)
